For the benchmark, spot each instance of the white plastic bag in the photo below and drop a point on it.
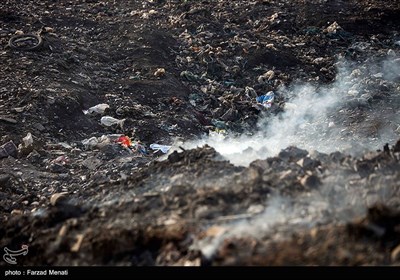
(98, 109)
(110, 121)
(158, 147)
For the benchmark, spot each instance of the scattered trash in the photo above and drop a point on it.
(250, 92)
(266, 100)
(91, 142)
(219, 124)
(124, 141)
(134, 146)
(25, 42)
(230, 115)
(8, 149)
(28, 140)
(98, 109)
(19, 109)
(65, 145)
(146, 15)
(333, 28)
(61, 160)
(162, 148)
(391, 53)
(267, 76)
(110, 121)
(218, 133)
(139, 147)
(159, 72)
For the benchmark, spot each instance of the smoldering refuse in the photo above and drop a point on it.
(325, 118)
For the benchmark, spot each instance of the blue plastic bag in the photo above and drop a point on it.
(266, 99)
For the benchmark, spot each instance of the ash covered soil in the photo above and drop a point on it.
(312, 179)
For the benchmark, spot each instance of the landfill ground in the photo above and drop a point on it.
(173, 72)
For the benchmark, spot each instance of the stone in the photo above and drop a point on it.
(310, 181)
(58, 198)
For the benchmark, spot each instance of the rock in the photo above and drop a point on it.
(159, 72)
(77, 245)
(218, 112)
(259, 164)
(8, 149)
(364, 168)
(333, 28)
(215, 231)
(308, 163)
(92, 163)
(267, 76)
(391, 53)
(371, 199)
(395, 254)
(4, 180)
(58, 198)
(248, 177)
(337, 156)
(292, 153)
(175, 157)
(255, 209)
(48, 29)
(8, 119)
(19, 109)
(310, 181)
(39, 127)
(189, 76)
(57, 168)
(16, 212)
(319, 156)
(109, 152)
(396, 147)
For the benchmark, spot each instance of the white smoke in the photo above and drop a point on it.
(316, 118)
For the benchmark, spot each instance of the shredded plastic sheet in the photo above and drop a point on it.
(158, 147)
(266, 100)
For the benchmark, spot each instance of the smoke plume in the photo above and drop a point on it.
(343, 116)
